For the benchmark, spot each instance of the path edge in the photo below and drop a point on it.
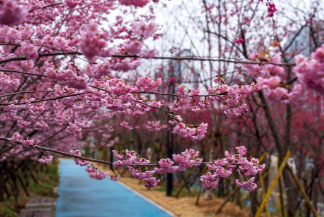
(149, 200)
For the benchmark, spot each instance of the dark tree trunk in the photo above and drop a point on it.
(2, 183)
(282, 149)
(254, 203)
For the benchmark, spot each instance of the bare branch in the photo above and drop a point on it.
(47, 6)
(160, 58)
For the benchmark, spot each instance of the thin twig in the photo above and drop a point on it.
(47, 6)
(160, 58)
(43, 100)
(21, 72)
(23, 92)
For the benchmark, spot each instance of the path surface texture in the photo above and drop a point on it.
(79, 196)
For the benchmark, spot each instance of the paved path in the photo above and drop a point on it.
(79, 196)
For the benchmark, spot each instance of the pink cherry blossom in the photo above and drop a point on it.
(138, 3)
(209, 181)
(150, 29)
(46, 159)
(91, 44)
(72, 3)
(98, 175)
(114, 177)
(79, 161)
(310, 73)
(134, 47)
(147, 84)
(241, 150)
(29, 50)
(148, 53)
(29, 142)
(144, 30)
(11, 13)
(15, 137)
(248, 185)
(151, 182)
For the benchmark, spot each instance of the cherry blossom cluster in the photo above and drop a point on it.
(148, 84)
(195, 133)
(46, 159)
(154, 126)
(117, 96)
(187, 159)
(127, 158)
(91, 43)
(188, 99)
(21, 148)
(238, 41)
(68, 77)
(94, 173)
(30, 51)
(94, 43)
(264, 70)
(79, 161)
(16, 137)
(231, 97)
(134, 47)
(166, 166)
(123, 98)
(111, 143)
(233, 102)
(311, 72)
(6, 80)
(114, 177)
(223, 168)
(11, 13)
(72, 3)
(29, 142)
(144, 30)
(46, 111)
(184, 160)
(271, 9)
(147, 53)
(26, 103)
(149, 181)
(268, 77)
(125, 124)
(137, 3)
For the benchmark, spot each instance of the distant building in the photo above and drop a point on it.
(181, 72)
(303, 43)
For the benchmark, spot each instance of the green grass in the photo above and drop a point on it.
(8, 212)
(47, 180)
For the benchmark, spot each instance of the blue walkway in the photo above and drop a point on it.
(79, 196)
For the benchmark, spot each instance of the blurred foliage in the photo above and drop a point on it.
(47, 178)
